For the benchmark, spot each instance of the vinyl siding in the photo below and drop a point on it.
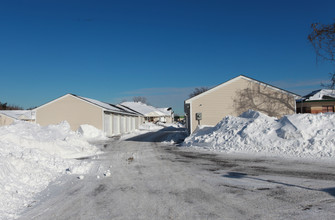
(71, 109)
(5, 120)
(238, 96)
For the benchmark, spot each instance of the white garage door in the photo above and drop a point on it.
(108, 125)
(116, 124)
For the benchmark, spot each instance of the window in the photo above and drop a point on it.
(327, 108)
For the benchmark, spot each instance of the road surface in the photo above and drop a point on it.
(142, 178)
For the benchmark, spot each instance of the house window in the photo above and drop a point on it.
(304, 110)
(327, 108)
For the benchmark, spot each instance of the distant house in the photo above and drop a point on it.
(235, 97)
(7, 117)
(77, 110)
(150, 113)
(322, 100)
(168, 115)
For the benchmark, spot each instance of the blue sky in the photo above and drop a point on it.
(114, 50)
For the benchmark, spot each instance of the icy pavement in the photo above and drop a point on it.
(142, 178)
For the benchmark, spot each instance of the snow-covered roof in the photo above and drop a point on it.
(166, 111)
(108, 106)
(104, 105)
(321, 94)
(128, 109)
(19, 114)
(144, 109)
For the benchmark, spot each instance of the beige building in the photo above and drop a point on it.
(235, 97)
(77, 110)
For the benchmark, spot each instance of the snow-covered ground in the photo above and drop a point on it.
(299, 135)
(144, 175)
(32, 156)
(143, 178)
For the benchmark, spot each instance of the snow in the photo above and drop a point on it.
(19, 114)
(166, 111)
(107, 106)
(298, 135)
(144, 109)
(319, 94)
(91, 132)
(144, 179)
(32, 156)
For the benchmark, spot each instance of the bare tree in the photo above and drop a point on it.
(198, 91)
(331, 84)
(323, 40)
(140, 99)
(261, 98)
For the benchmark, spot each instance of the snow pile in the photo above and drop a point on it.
(149, 126)
(91, 132)
(300, 135)
(31, 157)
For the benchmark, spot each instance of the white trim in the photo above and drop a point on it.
(191, 120)
(103, 120)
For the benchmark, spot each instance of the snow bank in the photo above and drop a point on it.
(91, 132)
(299, 135)
(31, 157)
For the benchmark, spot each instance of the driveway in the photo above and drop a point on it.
(142, 178)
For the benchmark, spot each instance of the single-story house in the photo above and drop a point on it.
(150, 113)
(77, 110)
(322, 100)
(7, 117)
(235, 97)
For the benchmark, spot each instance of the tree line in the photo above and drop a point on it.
(5, 106)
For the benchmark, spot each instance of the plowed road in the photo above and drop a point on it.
(141, 178)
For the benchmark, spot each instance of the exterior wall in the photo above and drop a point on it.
(313, 107)
(169, 120)
(236, 97)
(5, 120)
(74, 110)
